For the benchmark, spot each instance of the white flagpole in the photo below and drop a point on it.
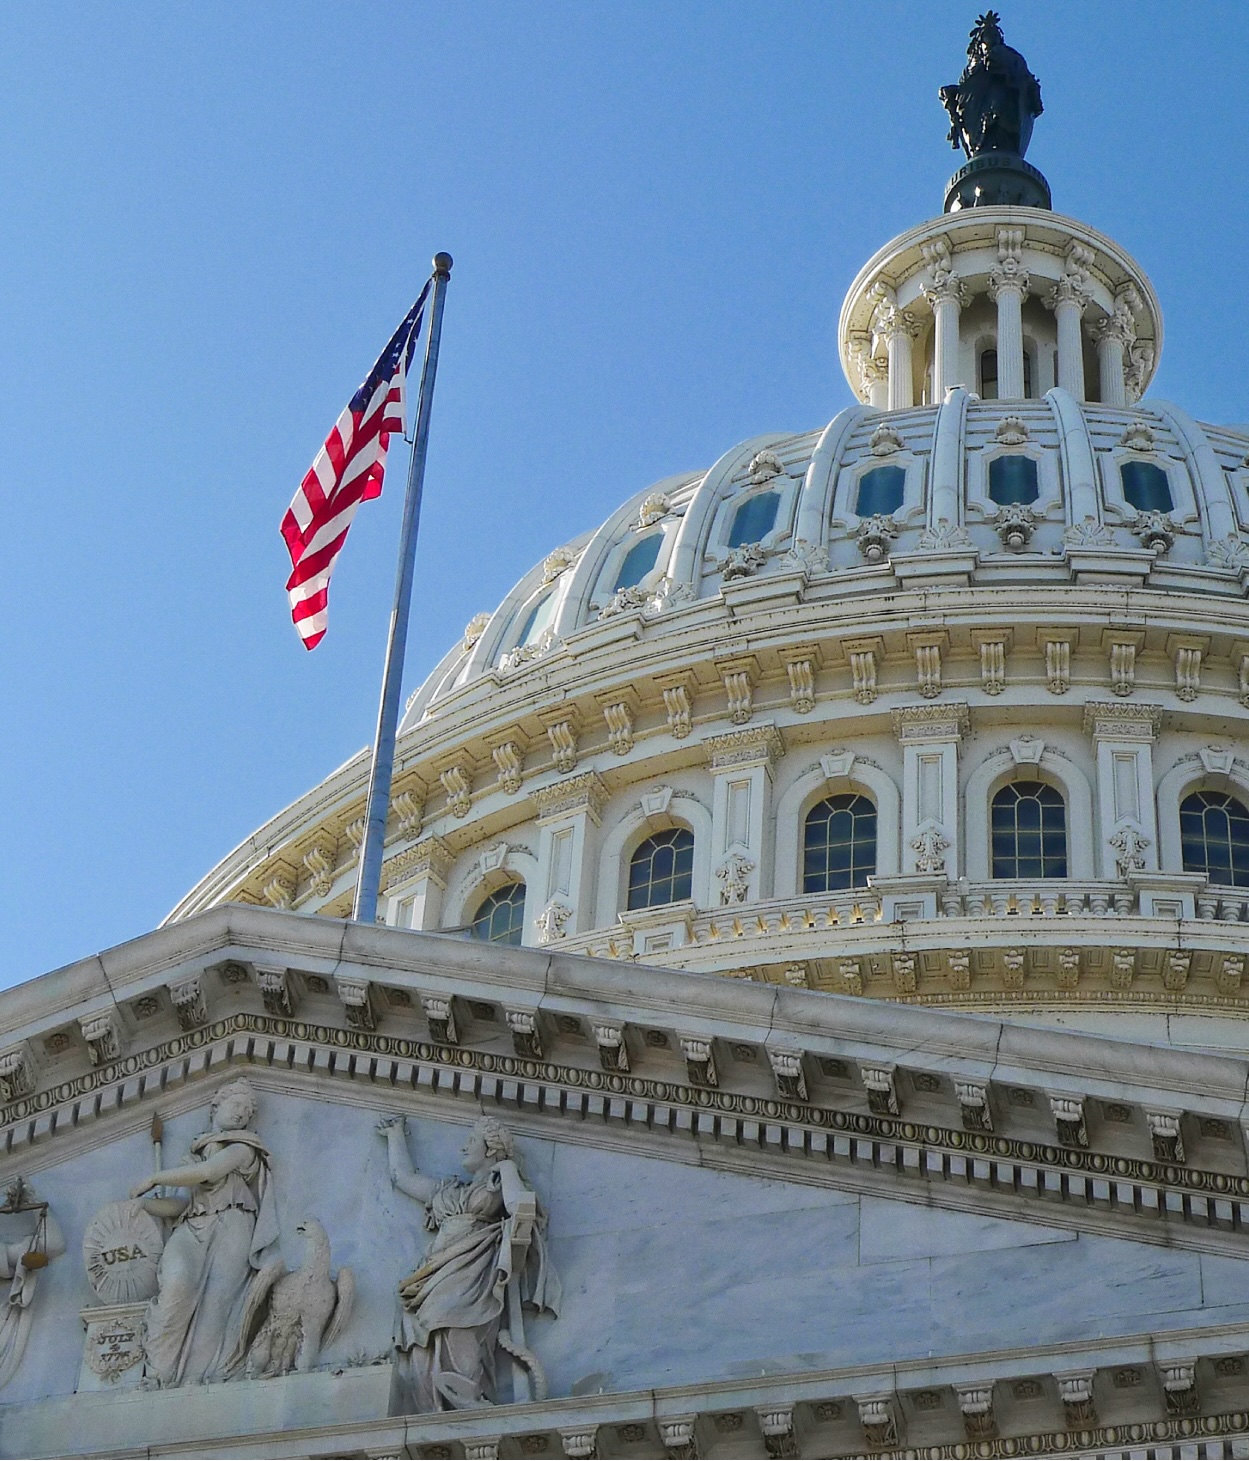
(383, 764)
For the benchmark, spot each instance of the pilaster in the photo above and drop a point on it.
(741, 764)
(930, 736)
(1127, 832)
(561, 902)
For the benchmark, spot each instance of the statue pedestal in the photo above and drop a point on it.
(112, 1350)
(997, 178)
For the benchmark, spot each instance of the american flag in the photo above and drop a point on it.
(348, 469)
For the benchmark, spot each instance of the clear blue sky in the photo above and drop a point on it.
(214, 215)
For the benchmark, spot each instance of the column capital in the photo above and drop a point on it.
(585, 793)
(431, 858)
(928, 723)
(1068, 291)
(1006, 280)
(761, 745)
(1117, 721)
(949, 289)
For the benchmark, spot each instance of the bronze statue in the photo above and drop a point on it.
(997, 98)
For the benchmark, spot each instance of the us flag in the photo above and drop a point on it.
(348, 469)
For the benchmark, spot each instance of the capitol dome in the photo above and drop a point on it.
(943, 701)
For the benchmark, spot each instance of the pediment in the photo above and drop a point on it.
(737, 1180)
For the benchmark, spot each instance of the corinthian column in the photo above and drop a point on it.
(947, 297)
(1115, 335)
(1068, 301)
(897, 328)
(1008, 288)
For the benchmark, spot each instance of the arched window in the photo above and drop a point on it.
(1013, 478)
(1146, 487)
(500, 916)
(1029, 831)
(537, 620)
(839, 844)
(1214, 836)
(661, 869)
(988, 375)
(880, 492)
(754, 519)
(638, 561)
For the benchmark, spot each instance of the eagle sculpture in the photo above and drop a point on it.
(303, 1311)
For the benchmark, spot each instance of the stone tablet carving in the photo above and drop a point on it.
(121, 1249)
(114, 1340)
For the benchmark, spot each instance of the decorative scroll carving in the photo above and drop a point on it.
(1075, 1390)
(791, 1081)
(677, 707)
(1069, 1120)
(975, 1403)
(881, 1084)
(189, 1001)
(992, 666)
(318, 862)
(777, 1426)
(928, 670)
(1058, 666)
(1123, 667)
(613, 1053)
(17, 1073)
(506, 756)
(102, 1032)
(1187, 671)
(275, 989)
(457, 784)
(526, 1037)
(876, 1415)
(408, 809)
(618, 712)
(357, 1001)
(739, 691)
(440, 1017)
(562, 734)
(973, 1101)
(1164, 1132)
(863, 674)
(801, 672)
(700, 1061)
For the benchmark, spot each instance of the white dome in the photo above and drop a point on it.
(939, 596)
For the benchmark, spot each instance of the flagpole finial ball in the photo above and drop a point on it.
(442, 264)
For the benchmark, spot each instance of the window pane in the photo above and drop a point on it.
(754, 519)
(638, 561)
(661, 869)
(1146, 487)
(1012, 478)
(839, 844)
(501, 917)
(1029, 836)
(880, 491)
(988, 375)
(1214, 837)
(538, 620)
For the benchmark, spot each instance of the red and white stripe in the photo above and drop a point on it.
(348, 469)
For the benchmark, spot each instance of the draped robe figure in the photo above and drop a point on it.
(194, 1327)
(488, 1236)
(29, 1237)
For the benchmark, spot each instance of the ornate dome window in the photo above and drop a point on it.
(500, 917)
(1029, 831)
(1146, 487)
(880, 492)
(1214, 836)
(638, 561)
(754, 519)
(1013, 480)
(839, 844)
(537, 620)
(661, 869)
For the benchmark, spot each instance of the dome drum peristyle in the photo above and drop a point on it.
(942, 702)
